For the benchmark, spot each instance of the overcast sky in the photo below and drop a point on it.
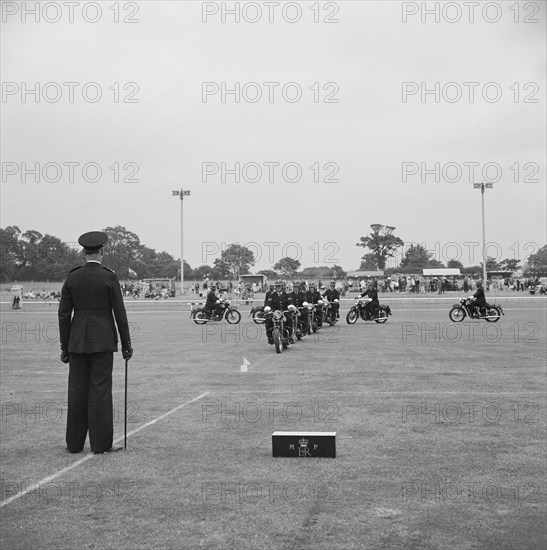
(361, 122)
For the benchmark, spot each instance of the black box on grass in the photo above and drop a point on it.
(304, 444)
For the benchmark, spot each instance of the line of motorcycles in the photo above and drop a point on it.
(305, 319)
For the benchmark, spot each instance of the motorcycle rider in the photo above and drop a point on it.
(212, 305)
(478, 300)
(331, 294)
(278, 300)
(268, 294)
(299, 297)
(373, 305)
(313, 297)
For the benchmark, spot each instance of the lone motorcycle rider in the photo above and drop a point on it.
(478, 300)
(372, 306)
(212, 304)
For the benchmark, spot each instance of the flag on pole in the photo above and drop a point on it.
(132, 274)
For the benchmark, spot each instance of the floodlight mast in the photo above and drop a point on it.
(181, 193)
(482, 186)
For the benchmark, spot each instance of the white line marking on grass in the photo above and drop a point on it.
(163, 416)
(248, 367)
(50, 478)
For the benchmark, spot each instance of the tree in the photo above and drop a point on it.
(369, 262)
(268, 273)
(510, 264)
(455, 264)
(287, 266)
(323, 272)
(381, 242)
(491, 264)
(122, 249)
(235, 261)
(417, 258)
(539, 259)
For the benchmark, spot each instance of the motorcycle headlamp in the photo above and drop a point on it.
(278, 315)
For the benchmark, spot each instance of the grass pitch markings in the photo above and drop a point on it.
(59, 473)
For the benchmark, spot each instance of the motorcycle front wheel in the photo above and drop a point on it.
(457, 314)
(233, 316)
(277, 340)
(351, 317)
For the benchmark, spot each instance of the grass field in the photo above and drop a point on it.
(440, 435)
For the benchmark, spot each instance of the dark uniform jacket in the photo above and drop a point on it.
(93, 293)
(211, 302)
(300, 298)
(372, 293)
(332, 294)
(267, 297)
(480, 299)
(313, 296)
(279, 301)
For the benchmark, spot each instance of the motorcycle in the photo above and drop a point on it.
(224, 311)
(311, 325)
(379, 315)
(330, 313)
(281, 335)
(466, 309)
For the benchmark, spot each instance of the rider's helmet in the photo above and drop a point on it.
(312, 285)
(278, 285)
(332, 284)
(479, 284)
(213, 288)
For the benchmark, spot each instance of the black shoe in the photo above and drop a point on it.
(71, 451)
(270, 341)
(112, 449)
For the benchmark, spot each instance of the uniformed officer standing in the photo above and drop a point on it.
(88, 340)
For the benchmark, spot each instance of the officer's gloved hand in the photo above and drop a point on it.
(127, 352)
(65, 357)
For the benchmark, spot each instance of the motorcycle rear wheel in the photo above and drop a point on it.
(382, 317)
(199, 317)
(492, 311)
(258, 317)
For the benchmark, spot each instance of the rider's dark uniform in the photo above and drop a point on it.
(332, 294)
(312, 297)
(277, 301)
(211, 305)
(372, 306)
(480, 301)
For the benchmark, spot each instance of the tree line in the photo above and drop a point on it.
(31, 255)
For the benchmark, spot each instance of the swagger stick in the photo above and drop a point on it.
(125, 410)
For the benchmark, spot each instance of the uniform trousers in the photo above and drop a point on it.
(90, 401)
